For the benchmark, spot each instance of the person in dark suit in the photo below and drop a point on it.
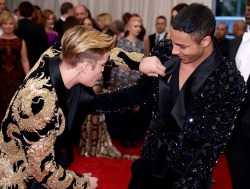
(161, 33)
(66, 9)
(238, 152)
(194, 108)
(33, 34)
(222, 42)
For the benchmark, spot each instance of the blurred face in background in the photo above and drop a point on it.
(88, 22)
(80, 13)
(134, 27)
(2, 6)
(221, 31)
(160, 25)
(247, 14)
(101, 22)
(50, 21)
(8, 26)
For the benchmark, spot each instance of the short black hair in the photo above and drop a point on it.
(178, 8)
(65, 7)
(26, 9)
(195, 19)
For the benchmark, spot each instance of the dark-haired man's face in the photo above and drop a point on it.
(185, 46)
(247, 14)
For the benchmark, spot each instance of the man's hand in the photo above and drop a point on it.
(152, 66)
(92, 181)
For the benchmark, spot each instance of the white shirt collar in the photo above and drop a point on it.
(161, 34)
(248, 28)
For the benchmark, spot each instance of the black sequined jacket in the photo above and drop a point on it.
(203, 115)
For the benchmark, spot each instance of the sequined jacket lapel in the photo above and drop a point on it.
(193, 85)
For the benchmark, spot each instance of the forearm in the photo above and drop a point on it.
(45, 169)
(26, 66)
(125, 98)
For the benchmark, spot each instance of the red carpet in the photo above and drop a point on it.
(115, 173)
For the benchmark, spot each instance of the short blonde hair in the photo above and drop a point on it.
(8, 15)
(81, 43)
(107, 18)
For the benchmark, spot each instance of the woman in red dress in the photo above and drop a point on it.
(14, 64)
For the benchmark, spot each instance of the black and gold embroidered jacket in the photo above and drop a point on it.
(36, 128)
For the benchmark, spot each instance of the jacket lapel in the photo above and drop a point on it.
(81, 100)
(234, 46)
(58, 84)
(192, 86)
(164, 88)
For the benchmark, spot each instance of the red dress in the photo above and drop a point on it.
(11, 71)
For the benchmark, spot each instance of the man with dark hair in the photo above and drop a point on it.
(161, 33)
(238, 153)
(33, 34)
(194, 106)
(66, 9)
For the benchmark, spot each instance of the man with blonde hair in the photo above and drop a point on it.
(54, 99)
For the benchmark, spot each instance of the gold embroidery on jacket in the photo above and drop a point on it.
(36, 133)
(120, 62)
(35, 93)
(11, 155)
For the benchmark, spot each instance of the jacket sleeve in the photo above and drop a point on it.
(39, 133)
(41, 123)
(135, 94)
(211, 127)
(125, 98)
(125, 60)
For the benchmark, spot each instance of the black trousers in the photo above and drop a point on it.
(142, 179)
(239, 166)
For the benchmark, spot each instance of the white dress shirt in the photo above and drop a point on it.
(243, 56)
(160, 36)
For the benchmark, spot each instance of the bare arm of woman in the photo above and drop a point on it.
(24, 58)
(147, 45)
(115, 39)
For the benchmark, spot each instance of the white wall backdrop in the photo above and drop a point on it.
(147, 9)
